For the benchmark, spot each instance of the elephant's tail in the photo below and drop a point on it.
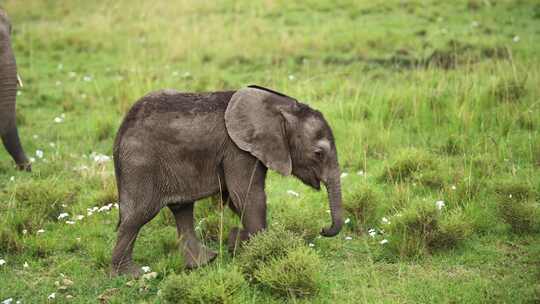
(117, 172)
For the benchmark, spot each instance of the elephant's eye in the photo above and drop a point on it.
(319, 154)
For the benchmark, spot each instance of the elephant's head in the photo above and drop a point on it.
(289, 137)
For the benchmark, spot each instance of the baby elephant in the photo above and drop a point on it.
(175, 148)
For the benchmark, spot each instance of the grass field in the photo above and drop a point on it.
(429, 101)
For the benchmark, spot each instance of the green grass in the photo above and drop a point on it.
(429, 100)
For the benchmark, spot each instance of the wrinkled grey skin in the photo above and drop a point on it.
(8, 94)
(174, 148)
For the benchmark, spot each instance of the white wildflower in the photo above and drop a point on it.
(72, 74)
(2, 262)
(372, 232)
(39, 153)
(87, 78)
(32, 160)
(52, 296)
(80, 168)
(475, 24)
(25, 265)
(116, 205)
(70, 222)
(293, 193)
(93, 209)
(344, 174)
(348, 238)
(79, 217)
(99, 158)
(63, 215)
(361, 173)
(439, 204)
(40, 231)
(510, 195)
(58, 120)
(347, 220)
(383, 242)
(145, 269)
(52, 145)
(311, 245)
(7, 301)
(24, 231)
(12, 178)
(150, 276)
(104, 208)
(515, 39)
(385, 220)
(19, 93)
(453, 187)
(35, 136)
(291, 77)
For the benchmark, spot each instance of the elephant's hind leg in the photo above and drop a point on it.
(128, 228)
(195, 253)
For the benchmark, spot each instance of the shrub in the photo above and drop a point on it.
(9, 240)
(38, 202)
(430, 178)
(295, 275)
(453, 146)
(513, 190)
(279, 261)
(272, 244)
(207, 285)
(453, 228)
(407, 163)
(421, 229)
(295, 220)
(509, 90)
(362, 204)
(523, 217)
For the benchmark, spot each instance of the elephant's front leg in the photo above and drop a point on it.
(251, 209)
(195, 253)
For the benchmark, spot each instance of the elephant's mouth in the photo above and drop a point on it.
(313, 182)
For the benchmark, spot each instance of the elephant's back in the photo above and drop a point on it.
(169, 103)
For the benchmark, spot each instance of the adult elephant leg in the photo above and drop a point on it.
(195, 253)
(10, 139)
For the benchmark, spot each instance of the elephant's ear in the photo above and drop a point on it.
(255, 124)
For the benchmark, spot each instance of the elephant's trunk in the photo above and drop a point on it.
(333, 186)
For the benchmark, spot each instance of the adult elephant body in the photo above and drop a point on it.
(8, 94)
(175, 148)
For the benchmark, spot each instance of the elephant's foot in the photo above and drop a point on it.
(25, 167)
(197, 255)
(128, 269)
(236, 238)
